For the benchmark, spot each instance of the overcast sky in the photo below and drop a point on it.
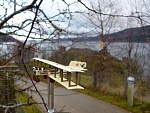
(79, 23)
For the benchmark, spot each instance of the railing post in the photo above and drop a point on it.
(130, 91)
(50, 87)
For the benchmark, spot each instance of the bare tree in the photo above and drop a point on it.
(137, 16)
(101, 25)
(28, 21)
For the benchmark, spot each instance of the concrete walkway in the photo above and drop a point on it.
(70, 101)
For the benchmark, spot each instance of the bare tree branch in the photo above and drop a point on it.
(17, 12)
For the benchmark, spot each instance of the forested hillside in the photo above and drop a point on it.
(6, 38)
(137, 34)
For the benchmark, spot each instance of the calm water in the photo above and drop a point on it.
(118, 50)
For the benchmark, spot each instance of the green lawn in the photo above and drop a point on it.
(138, 107)
(20, 110)
(23, 98)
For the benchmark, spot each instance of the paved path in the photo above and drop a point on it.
(73, 102)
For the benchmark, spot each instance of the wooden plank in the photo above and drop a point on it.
(76, 78)
(69, 78)
(77, 68)
(60, 66)
(65, 83)
(55, 72)
(59, 77)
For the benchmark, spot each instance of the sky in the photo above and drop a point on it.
(79, 23)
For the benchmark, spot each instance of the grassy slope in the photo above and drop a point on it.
(30, 109)
(138, 107)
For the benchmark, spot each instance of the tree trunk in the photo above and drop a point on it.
(95, 79)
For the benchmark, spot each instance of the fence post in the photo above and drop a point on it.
(130, 90)
(50, 87)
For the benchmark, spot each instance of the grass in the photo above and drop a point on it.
(21, 110)
(29, 109)
(138, 107)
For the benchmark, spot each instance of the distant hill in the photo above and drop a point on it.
(137, 34)
(6, 38)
